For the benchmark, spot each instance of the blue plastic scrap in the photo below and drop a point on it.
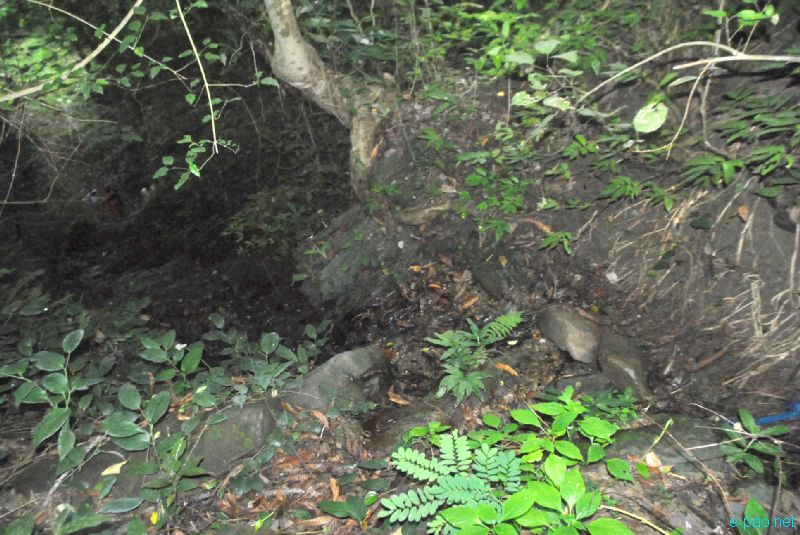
(792, 413)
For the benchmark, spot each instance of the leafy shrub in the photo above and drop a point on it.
(507, 477)
(466, 351)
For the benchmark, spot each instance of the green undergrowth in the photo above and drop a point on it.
(548, 56)
(109, 376)
(521, 473)
(465, 352)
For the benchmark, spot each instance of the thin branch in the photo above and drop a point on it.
(215, 146)
(623, 72)
(81, 64)
(738, 57)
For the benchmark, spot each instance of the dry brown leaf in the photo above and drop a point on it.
(416, 268)
(229, 505)
(435, 286)
(334, 490)
(743, 212)
(396, 398)
(321, 417)
(652, 460)
(506, 368)
(484, 141)
(446, 260)
(374, 152)
(503, 261)
(470, 301)
(290, 408)
(541, 225)
(235, 471)
(315, 522)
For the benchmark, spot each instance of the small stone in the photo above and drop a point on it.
(571, 331)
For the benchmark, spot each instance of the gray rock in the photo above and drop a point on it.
(345, 381)
(572, 332)
(241, 435)
(621, 362)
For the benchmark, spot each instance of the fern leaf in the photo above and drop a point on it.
(500, 327)
(416, 465)
(460, 489)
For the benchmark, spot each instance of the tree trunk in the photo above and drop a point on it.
(295, 62)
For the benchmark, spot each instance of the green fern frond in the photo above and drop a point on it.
(500, 327)
(416, 465)
(509, 471)
(454, 451)
(485, 463)
(460, 489)
(412, 506)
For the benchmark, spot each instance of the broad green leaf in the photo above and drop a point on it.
(536, 518)
(770, 192)
(129, 397)
(556, 468)
(571, 56)
(594, 427)
(461, 516)
(56, 383)
(504, 529)
(587, 505)
(559, 103)
(216, 418)
(269, 342)
(66, 441)
(517, 504)
(486, 513)
(29, 393)
(191, 361)
(650, 118)
(492, 420)
(167, 340)
(608, 526)
(72, 340)
(337, 509)
(120, 425)
(572, 487)
(550, 408)
(48, 361)
(138, 442)
(122, 505)
(83, 522)
(50, 424)
(526, 417)
(522, 58)
(21, 526)
(568, 450)
(545, 495)
(157, 407)
(155, 354)
(619, 468)
(546, 46)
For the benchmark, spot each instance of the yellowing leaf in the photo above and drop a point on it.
(114, 469)
(471, 301)
(506, 368)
